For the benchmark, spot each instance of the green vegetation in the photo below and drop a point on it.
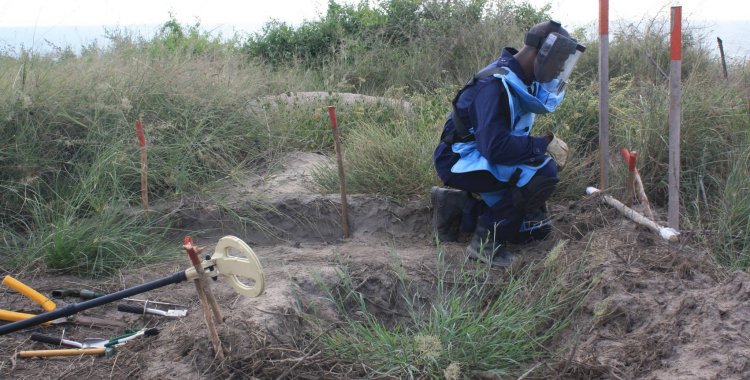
(70, 171)
(474, 322)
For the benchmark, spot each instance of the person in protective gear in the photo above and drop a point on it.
(501, 174)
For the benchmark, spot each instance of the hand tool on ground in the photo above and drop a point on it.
(66, 352)
(94, 342)
(49, 305)
(143, 310)
(13, 316)
(60, 341)
(122, 339)
(149, 302)
(211, 312)
(666, 233)
(46, 303)
(224, 265)
(80, 293)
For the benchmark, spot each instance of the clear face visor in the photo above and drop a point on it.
(556, 60)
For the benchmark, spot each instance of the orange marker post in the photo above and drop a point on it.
(604, 94)
(144, 162)
(675, 108)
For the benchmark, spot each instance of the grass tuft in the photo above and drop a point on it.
(475, 322)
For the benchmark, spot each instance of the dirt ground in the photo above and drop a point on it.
(656, 311)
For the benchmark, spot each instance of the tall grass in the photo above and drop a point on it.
(475, 322)
(733, 241)
(66, 120)
(69, 156)
(391, 157)
(75, 233)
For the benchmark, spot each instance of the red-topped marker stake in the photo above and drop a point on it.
(144, 162)
(340, 162)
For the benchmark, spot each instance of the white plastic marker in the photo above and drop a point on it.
(666, 233)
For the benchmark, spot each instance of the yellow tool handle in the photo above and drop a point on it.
(27, 291)
(13, 316)
(69, 352)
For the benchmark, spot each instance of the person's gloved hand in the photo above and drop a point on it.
(558, 149)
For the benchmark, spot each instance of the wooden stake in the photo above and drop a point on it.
(342, 179)
(642, 196)
(630, 186)
(604, 94)
(635, 184)
(211, 311)
(144, 162)
(666, 233)
(213, 333)
(723, 60)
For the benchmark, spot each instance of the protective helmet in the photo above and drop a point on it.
(557, 53)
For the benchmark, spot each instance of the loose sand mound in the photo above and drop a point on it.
(654, 311)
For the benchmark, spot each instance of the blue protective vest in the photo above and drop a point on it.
(521, 123)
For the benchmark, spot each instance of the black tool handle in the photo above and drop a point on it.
(125, 308)
(37, 337)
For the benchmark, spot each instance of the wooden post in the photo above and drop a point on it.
(144, 162)
(211, 313)
(604, 94)
(630, 186)
(675, 108)
(630, 158)
(340, 162)
(723, 60)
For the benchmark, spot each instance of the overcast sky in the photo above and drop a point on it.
(49, 19)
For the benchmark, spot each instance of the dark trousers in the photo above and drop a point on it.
(502, 218)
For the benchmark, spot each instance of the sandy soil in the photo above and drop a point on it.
(655, 312)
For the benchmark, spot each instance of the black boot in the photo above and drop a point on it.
(447, 205)
(483, 247)
(536, 225)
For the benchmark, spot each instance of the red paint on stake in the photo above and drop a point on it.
(675, 38)
(191, 249)
(332, 115)
(603, 16)
(631, 162)
(139, 132)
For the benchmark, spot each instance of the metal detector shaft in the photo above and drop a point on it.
(78, 307)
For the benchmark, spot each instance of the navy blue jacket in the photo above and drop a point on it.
(485, 107)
